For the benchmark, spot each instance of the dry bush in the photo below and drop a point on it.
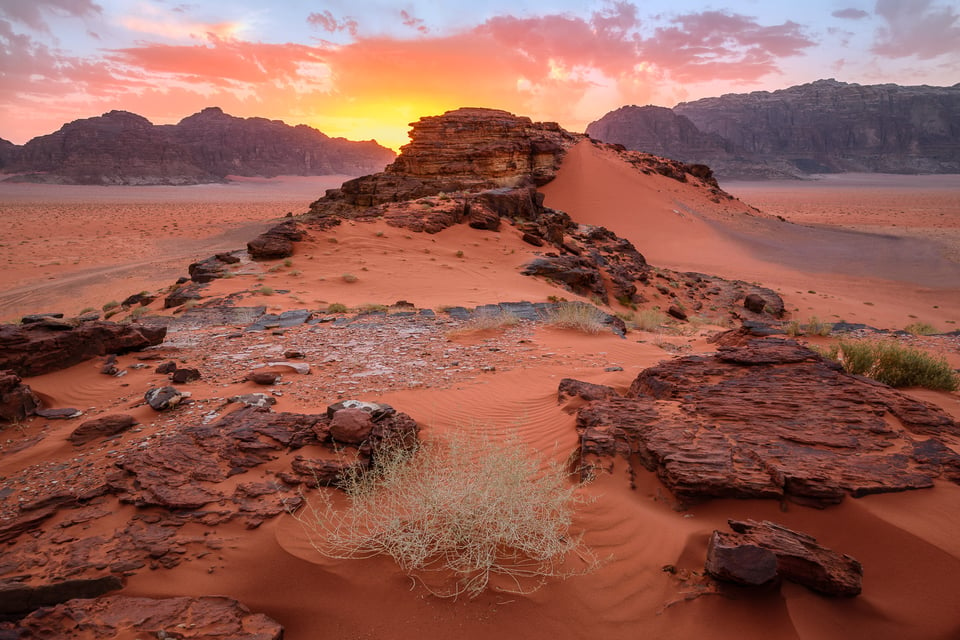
(489, 321)
(894, 364)
(649, 320)
(466, 507)
(578, 315)
(921, 329)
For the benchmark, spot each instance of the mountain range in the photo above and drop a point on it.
(120, 147)
(821, 127)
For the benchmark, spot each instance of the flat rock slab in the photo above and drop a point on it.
(116, 617)
(757, 552)
(769, 418)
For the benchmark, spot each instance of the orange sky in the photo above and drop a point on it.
(364, 69)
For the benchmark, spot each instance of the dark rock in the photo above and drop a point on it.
(263, 377)
(276, 242)
(183, 618)
(570, 388)
(163, 398)
(211, 268)
(768, 418)
(17, 400)
(166, 367)
(757, 551)
(482, 217)
(755, 303)
(182, 294)
(530, 238)
(38, 317)
(102, 427)
(64, 413)
(33, 349)
(576, 273)
(181, 376)
(17, 598)
(676, 312)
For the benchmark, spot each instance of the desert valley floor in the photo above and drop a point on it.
(879, 251)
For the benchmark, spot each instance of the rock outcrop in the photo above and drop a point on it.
(37, 348)
(821, 127)
(768, 418)
(757, 553)
(17, 400)
(124, 148)
(464, 149)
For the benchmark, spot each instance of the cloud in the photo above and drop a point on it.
(412, 22)
(31, 12)
(850, 14)
(720, 45)
(917, 28)
(330, 24)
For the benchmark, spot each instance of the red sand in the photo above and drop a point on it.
(907, 542)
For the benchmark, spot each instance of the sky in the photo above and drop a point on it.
(364, 69)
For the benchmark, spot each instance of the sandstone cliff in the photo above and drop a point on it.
(124, 148)
(822, 127)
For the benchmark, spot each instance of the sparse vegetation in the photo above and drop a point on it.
(489, 321)
(264, 291)
(349, 277)
(86, 310)
(337, 307)
(113, 304)
(459, 254)
(479, 509)
(895, 364)
(332, 240)
(288, 263)
(921, 329)
(578, 315)
(650, 319)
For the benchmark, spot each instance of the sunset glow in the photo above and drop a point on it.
(363, 71)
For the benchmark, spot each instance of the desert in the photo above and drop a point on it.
(432, 294)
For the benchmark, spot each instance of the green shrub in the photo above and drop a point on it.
(113, 304)
(463, 505)
(894, 364)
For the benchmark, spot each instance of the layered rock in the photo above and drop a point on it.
(124, 148)
(768, 418)
(464, 149)
(822, 127)
(41, 347)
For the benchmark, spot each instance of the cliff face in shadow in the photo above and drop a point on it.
(124, 148)
(822, 127)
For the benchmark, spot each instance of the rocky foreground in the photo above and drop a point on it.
(221, 415)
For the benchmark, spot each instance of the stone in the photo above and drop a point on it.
(755, 303)
(254, 399)
(183, 293)
(351, 426)
(263, 377)
(181, 376)
(676, 312)
(183, 618)
(299, 367)
(166, 367)
(102, 427)
(769, 418)
(377, 410)
(17, 400)
(276, 242)
(570, 388)
(163, 398)
(578, 274)
(63, 413)
(18, 598)
(756, 552)
(35, 349)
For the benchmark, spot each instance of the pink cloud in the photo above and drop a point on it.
(850, 14)
(330, 24)
(917, 28)
(412, 22)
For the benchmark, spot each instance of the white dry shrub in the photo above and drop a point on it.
(578, 315)
(466, 507)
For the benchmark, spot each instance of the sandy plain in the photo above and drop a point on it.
(505, 383)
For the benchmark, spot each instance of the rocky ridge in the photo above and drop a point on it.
(124, 148)
(821, 127)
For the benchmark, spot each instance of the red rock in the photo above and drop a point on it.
(185, 618)
(769, 419)
(276, 242)
(758, 551)
(22, 598)
(181, 376)
(17, 400)
(351, 426)
(263, 377)
(33, 349)
(102, 427)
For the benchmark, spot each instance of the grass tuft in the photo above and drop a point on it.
(349, 277)
(894, 364)
(464, 507)
(578, 315)
(921, 329)
(337, 307)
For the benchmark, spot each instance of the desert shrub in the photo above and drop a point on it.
(578, 315)
(488, 321)
(817, 328)
(264, 291)
(650, 319)
(894, 364)
(113, 304)
(337, 307)
(793, 329)
(349, 277)
(466, 506)
(921, 329)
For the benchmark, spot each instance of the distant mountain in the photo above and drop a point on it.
(822, 127)
(123, 148)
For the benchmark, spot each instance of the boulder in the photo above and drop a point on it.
(163, 398)
(757, 552)
(180, 376)
(17, 400)
(20, 598)
(276, 242)
(351, 426)
(102, 427)
(263, 377)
